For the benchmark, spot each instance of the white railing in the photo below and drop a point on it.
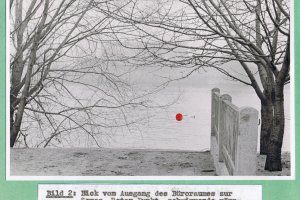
(234, 135)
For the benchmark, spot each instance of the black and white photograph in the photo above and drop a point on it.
(191, 89)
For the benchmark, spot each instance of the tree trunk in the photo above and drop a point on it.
(11, 117)
(266, 126)
(16, 123)
(32, 61)
(14, 131)
(273, 161)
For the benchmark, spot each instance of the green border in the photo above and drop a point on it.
(272, 189)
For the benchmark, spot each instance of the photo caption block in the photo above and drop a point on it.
(148, 192)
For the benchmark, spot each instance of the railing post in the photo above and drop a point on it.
(222, 124)
(247, 142)
(213, 110)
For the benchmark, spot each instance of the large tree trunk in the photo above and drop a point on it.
(273, 161)
(266, 126)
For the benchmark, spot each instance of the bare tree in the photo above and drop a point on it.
(195, 34)
(53, 48)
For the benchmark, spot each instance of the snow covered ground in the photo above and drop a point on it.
(120, 162)
(109, 162)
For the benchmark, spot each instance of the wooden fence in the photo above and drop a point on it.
(235, 132)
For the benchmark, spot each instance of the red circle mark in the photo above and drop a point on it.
(179, 117)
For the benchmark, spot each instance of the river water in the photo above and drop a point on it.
(162, 131)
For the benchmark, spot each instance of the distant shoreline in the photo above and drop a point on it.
(132, 149)
(126, 149)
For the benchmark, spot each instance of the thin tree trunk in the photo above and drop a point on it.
(266, 126)
(11, 117)
(15, 128)
(32, 61)
(273, 161)
(14, 131)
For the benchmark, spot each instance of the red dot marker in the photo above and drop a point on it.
(179, 117)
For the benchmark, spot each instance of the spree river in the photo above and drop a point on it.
(163, 131)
